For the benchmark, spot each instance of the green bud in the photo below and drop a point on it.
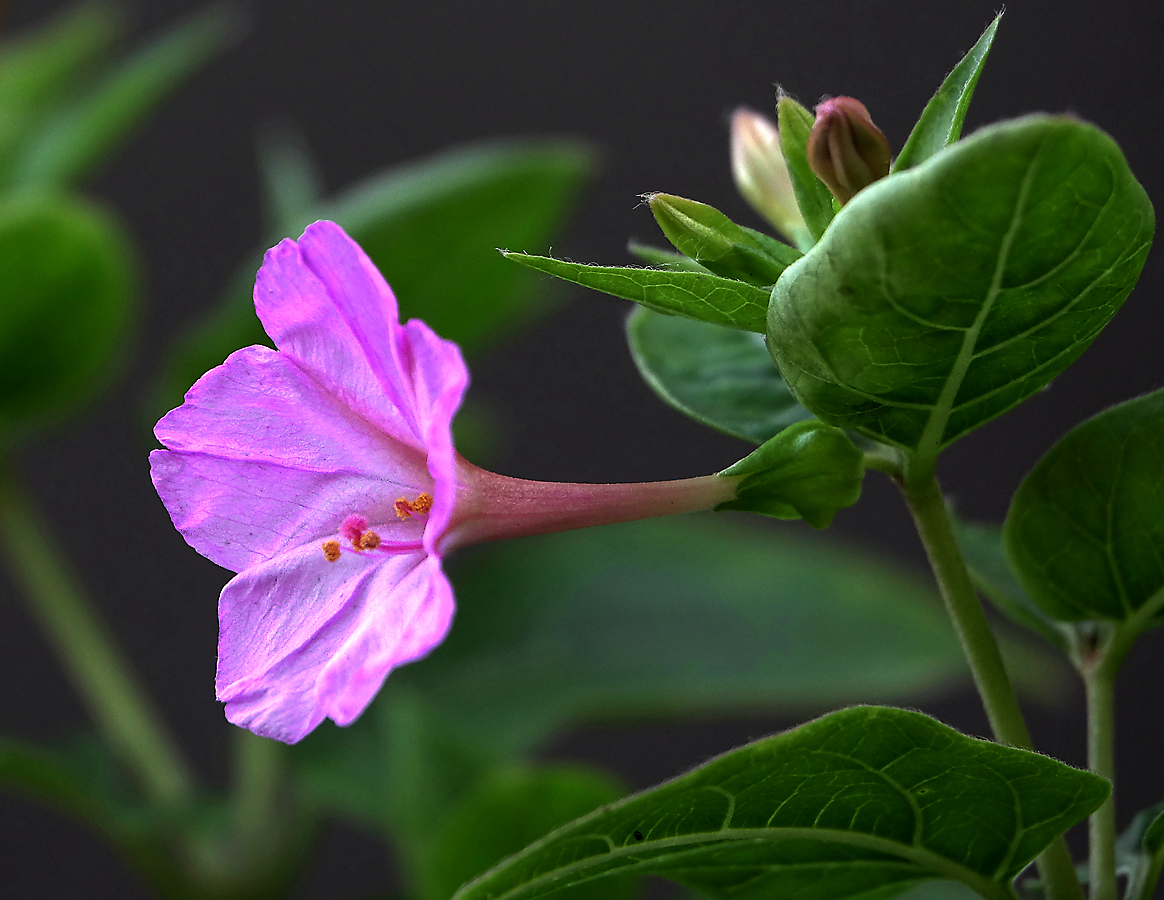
(66, 286)
(845, 149)
(761, 175)
(808, 471)
(707, 236)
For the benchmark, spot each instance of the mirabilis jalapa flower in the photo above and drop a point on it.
(324, 474)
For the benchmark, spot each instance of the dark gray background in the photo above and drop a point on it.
(652, 83)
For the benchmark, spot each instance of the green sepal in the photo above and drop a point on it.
(808, 471)
(709, 298)
(68, 282)
(706, 235)
(941, 121)
(944, 295)
(812, 196)
(864, 802)
(1085, 530)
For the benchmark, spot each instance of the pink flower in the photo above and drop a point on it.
(324, 474)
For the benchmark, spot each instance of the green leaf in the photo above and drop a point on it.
(431, 227)
(76, 139)
(291, 184)
(708, 298)
(808, 471)
(814, 199)
(941, 121)
(1140, 852)
(720, 376)
(39, 69)
(690, 616)
(1085, 531)
(860, 803)
(510, 810)
(944, 295)
(663, 259)
(982, 548)
(67, 280)
(706, 235)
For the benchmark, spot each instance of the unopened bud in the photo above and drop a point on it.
(761, 174)
(845, 149)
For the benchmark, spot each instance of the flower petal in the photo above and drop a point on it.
(301, 639)
(262, 458)
(326, 305)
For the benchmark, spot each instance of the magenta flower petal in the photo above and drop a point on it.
(262, 458)
(301, 639)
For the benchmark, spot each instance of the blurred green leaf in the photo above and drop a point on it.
(80, 134)
(944, 295)
(1140, 852)
(292, 186)
(39, 69)
(511, 809)
(1085, 531)
(688, 617)
(720, 376)
(941, 121)
(814, 199)
(708, 298)
(432, 227)
(67, 279)
(985, 556)
(860, 803)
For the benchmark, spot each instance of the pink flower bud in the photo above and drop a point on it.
(845, 149)
(761, 174)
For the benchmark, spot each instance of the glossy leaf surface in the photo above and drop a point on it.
(860, 803)
(688, 616)
(814, 199)
(720, 376)
(942, 296)
(708, 298)
(941, 121)
(1085, 531)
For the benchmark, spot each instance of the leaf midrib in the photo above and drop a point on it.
(941, 866)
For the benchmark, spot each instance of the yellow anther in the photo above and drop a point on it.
(422, 503)
(331, 550)
(403, 508)
(369, 541)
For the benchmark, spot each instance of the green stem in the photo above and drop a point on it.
(96, 669)
(928, 507)
(1100, 685)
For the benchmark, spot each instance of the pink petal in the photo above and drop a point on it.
(263, 458)
(301, 639)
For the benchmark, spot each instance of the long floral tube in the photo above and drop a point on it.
(324, 474)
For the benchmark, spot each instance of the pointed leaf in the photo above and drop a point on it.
(944, 295)
(941, 121)
(708, 298)
(860, 803)
(814, 199)
(663, 259)
(1085, 531)
(77, 139)
(1140, 852)
(720, 376)
(688, 616)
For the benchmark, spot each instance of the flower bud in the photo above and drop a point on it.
(761, 174)
(845, 149)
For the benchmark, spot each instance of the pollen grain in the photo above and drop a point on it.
(331, 550)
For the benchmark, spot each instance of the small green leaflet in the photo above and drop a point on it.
(864, 802)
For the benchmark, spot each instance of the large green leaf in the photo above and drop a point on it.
(696, 295)
(67, 280)
(690, 616)
(513, 808)
(860, 803)
(79, 134)
(942, 296)
(432, 227)
(720, 376)
(1085, 531)
(941, 121)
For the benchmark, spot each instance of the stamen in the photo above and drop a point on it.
(405, 508)
(422, 503)
(369, 540)
(331, 550)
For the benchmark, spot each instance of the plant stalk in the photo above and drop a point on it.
(928, 507)
(1100, 689)
(97, 670)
